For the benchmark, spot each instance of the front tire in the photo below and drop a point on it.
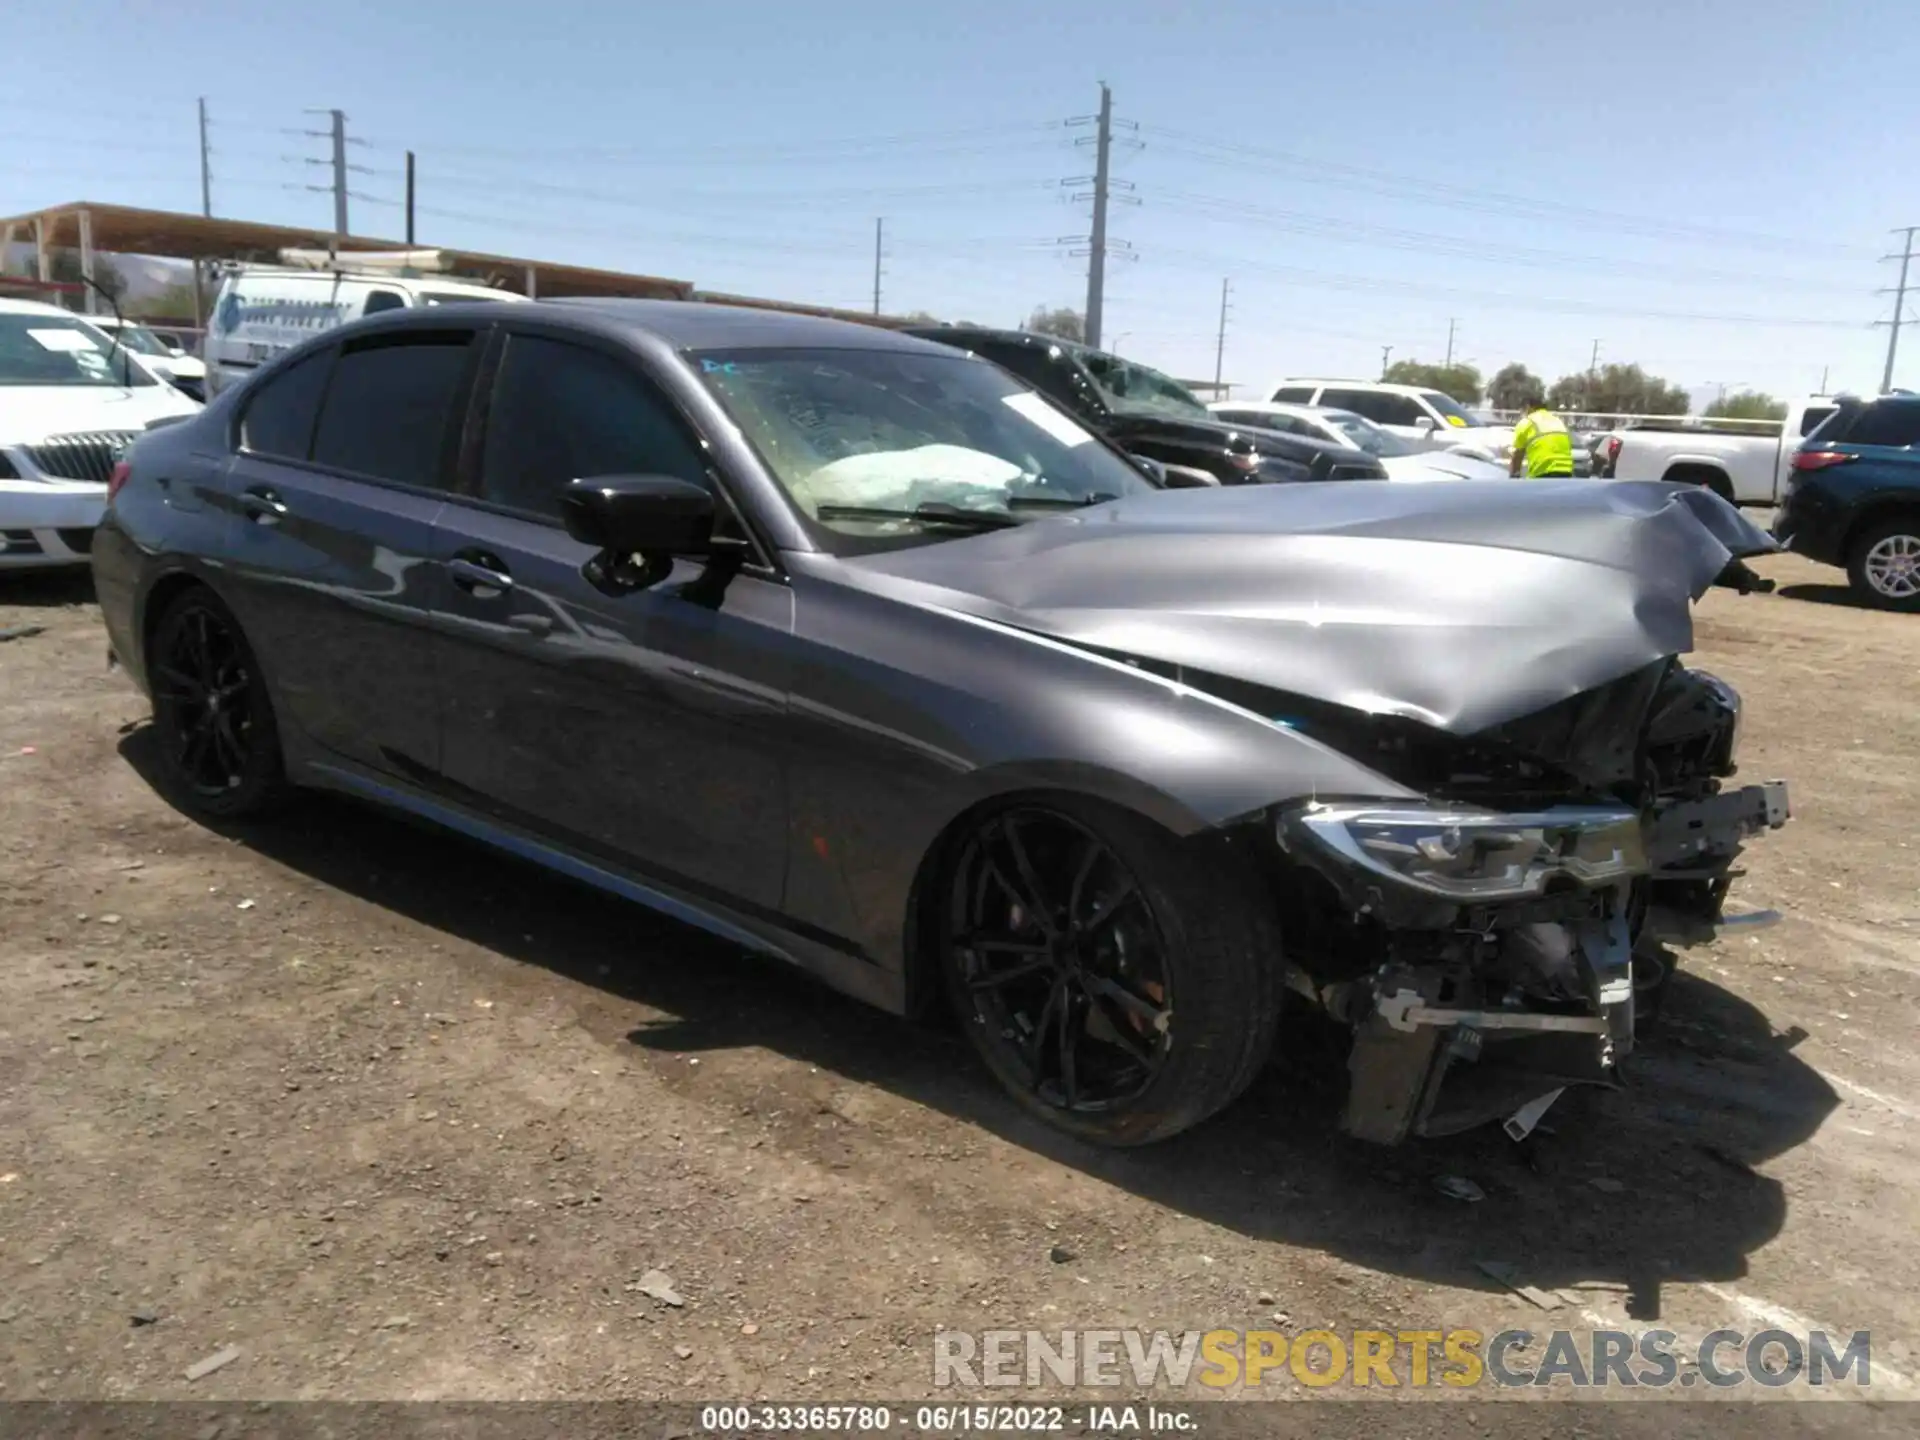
(1883, 564)
(219, 746)
(1122, 986)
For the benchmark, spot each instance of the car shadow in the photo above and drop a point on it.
(1633, 1189)
(1842, 595)
(47, 589)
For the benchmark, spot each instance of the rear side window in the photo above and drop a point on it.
(278, 420)
(1816, 416)
(378, 300)
(1292, 395)
(563, 412)
(389, 405)
(1886, 423)
(1361, 402)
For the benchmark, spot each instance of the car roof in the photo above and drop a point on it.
(1389, 387)
(698, 325)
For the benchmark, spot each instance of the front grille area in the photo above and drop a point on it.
(78, 540)
(88, 456)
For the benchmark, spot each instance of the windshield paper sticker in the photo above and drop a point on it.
(65, 341)
(1031, 407)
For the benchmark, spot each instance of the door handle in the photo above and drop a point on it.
(480, 574)
(262, 506)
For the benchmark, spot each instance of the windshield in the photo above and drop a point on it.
(1131, 388)
(892, 430)
(1449, 409)
(1366, 435)
(138, 337)
(52, 350)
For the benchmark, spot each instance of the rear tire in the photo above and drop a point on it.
(219, 746)
(1121, 984)
(1705, 476)
(1883, 564)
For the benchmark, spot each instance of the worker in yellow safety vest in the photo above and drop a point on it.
(1542, 448)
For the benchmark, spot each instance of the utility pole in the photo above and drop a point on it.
(879, 230)
(1823, 378)
(1593, 374)
(206, 209)
(206, 164)
(339, 176)
(409, 199)
(1386, 351)
(1097, 245)
(1220, 344)
(1450, 325)
(1905, 257)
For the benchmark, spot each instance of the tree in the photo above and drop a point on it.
(1462, 382)
(64, 266)
(1512, 385)
(1747, 405)
(1617, 390)
(920, 317)
(176, 303)
(1062, 324)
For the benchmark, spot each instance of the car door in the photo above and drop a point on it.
(341, 469)
(643, 727)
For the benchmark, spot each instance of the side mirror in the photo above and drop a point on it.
(656, 516)
(1426, 424)
(1152, 469)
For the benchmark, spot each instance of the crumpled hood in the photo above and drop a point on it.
(1461, 606)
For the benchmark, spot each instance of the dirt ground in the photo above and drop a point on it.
(401, 1119)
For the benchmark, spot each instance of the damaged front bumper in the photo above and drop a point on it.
(1508, 944)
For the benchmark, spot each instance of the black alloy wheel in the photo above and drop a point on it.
(1069, 938)
(219, 748)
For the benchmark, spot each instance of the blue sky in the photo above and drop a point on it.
(1657, 177)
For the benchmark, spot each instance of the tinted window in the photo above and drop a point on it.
(1399, 410)
(1030, 363)
(279, 418)
(561, 412)
(388, 405)
(1816, 416)
(378, 300)
(1286, 424)
(1886, 423)
(1361, 402)
(1292, 395)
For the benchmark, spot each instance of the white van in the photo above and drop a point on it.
(261, 310)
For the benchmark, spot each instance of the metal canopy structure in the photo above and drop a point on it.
(93, 228)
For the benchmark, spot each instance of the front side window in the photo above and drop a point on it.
(378, 300)
(388, 406)
(1451, 411)
(562, 412)
(885, 432)
(53, 350)
(1366, 403)
(279, 417)
(1363, 434)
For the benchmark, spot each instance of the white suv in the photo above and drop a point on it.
(1427, 418)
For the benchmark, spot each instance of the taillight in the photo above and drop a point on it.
(1821, 459)
(118, 478)
(1613, 447)
(1246, 462)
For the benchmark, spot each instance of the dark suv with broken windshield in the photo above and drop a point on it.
(1154, 416)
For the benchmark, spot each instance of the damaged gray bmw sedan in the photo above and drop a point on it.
(852, 648)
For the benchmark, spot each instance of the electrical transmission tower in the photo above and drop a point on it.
(1096, 246)
(1899, 293)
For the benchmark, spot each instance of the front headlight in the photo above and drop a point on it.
(1467, 854)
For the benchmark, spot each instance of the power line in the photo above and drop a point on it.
(975, 139)
(1378, 285)
(1315, 171)
(1347, 230)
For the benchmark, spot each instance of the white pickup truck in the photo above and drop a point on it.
(1748, 469)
